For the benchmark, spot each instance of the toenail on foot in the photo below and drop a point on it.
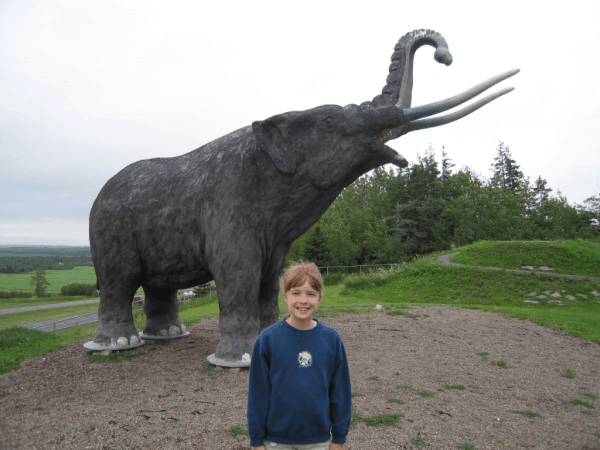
(174, 331)
(122, 342)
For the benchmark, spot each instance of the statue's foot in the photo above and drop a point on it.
(164, 331)
(233, 351)
(110, 337)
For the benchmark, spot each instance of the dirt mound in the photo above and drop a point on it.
(168, 398)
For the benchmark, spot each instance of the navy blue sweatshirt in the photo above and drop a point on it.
(299, 386)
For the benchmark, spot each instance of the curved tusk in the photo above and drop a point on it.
(420, 112)
(437, 121)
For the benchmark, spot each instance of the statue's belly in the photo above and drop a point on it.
(172, 253)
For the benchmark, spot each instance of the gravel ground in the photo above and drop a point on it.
(168, 398)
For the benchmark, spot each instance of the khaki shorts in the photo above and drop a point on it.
(318, 446)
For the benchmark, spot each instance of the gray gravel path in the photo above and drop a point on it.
(445, 259)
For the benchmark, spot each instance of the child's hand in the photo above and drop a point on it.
(336, 447)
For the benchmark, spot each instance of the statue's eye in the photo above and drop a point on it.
(329, 122)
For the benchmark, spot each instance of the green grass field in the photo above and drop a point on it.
(56, 278)
(425, 281)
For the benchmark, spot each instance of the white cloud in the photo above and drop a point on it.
(44, 231)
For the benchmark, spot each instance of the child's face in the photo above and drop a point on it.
(302, 302)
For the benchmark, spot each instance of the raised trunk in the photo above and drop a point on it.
(398, 90)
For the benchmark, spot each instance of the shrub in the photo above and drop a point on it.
(331, 279)
(73, 289)
(371, 278)
(15, 294)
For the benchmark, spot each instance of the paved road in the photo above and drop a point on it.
(64, 323)
(50, 306)
(57, 324)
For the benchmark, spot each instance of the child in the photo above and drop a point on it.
(299, 376)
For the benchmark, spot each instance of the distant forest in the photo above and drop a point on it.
(27, 259)
(44, 251)
(20, 264)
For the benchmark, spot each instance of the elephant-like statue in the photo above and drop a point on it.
(229, 210)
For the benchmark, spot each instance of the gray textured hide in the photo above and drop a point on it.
(230, 210)
(227, 211)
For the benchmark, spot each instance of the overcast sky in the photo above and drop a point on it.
(87, 88)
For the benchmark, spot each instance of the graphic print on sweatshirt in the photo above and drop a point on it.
(305, 358)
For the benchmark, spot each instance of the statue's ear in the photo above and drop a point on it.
(270, 138)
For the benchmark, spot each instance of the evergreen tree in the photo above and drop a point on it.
(402, 225)
(316, 249)
(506, 170)
(447, 166)
(541, 191)
(409, 192)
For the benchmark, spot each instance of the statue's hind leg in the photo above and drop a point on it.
(116, 330)
(162, 314)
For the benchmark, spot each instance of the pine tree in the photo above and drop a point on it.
(447, 166)
(506, 170)
(317, 250)
(541, 191)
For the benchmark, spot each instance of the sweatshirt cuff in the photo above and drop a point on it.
(338, 438)
(256, 441)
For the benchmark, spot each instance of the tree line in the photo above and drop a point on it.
(389, 216)
(26, 264)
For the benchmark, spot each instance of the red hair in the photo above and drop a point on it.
(299, 274)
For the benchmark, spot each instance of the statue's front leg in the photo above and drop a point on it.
(239, 319)
(268, 301)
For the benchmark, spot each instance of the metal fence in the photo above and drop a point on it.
(350, 269)
(66, 323)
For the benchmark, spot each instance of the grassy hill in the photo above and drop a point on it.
(571, 257)
(572, 305)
